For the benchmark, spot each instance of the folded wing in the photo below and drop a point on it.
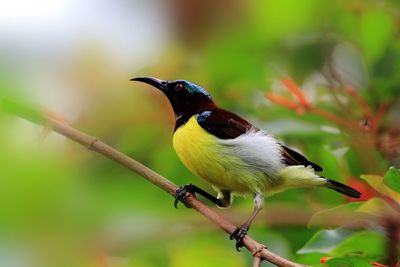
(227, 125)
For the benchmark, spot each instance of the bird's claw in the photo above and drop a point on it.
(181, 194)
(238, 235)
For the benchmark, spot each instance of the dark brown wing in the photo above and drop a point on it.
(227, 125)
(294, 158)
(223, 124)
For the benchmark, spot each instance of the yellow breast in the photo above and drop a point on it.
(205, 157)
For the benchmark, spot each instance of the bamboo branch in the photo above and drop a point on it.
(259, 251)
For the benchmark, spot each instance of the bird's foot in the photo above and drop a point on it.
(181, 194)
(238, 235)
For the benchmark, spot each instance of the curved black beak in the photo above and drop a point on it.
(157, 83)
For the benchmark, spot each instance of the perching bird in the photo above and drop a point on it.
(231, 154)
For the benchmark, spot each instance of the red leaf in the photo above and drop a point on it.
(296, 91)
(366, 191)
(280, 100)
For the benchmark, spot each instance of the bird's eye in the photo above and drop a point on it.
(179, 87)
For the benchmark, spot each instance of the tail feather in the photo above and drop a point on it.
(342, 188)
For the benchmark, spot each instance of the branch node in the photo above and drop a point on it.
(91, 142)
(258, 250)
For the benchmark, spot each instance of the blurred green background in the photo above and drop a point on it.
(63, 205)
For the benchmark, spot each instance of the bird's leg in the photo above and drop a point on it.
(223, 200)
(240, 232)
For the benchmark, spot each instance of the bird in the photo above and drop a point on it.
(233, 155)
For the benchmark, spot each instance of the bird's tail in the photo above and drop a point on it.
(342, 188)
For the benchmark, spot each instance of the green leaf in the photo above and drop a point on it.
(309, 259)
(342, 215)
(376, 30)
(349, 261)
(365, 243)
(376, 182)
(330, 163)
(376, 207)
(277, 19)
(392, 179)
(325, 241)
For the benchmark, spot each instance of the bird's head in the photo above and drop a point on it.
(186, 98)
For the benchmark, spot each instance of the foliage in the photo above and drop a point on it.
(322, 76)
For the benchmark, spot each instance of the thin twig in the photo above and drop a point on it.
(360, 101)
(257, 261)
(96, 145)
(340, 121)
